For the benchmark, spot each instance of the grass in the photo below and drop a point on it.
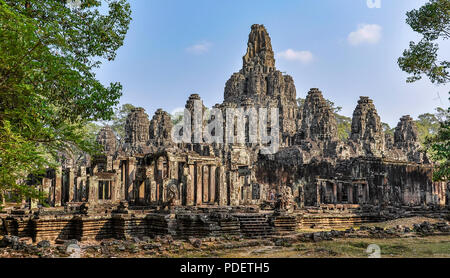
(430, 247)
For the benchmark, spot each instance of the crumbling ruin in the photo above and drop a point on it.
(150, 184)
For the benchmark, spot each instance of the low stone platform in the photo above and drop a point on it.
(185, 223)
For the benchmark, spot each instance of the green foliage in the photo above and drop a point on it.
(119, 118)
(432, 21)
(344, 125)
(177, 117)
(48, 89)
(387, 129)
(438, 147)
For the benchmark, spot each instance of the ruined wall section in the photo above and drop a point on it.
(363, 181)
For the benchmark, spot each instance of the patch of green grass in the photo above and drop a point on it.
(359, 244)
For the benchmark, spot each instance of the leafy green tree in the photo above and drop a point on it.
(48, 88)
(427, 124)
(119, 119)
(387, 129)
(177, 117)
(438, 147)
(434, 132)
(344, 126)
(432, 21)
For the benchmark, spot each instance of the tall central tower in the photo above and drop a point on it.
(260, 84)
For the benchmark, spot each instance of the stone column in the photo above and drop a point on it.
(93, 189)
(318, 186)
(130, 177)
(205, 183)
(335, 198)
(58, 187)
(173, 168)
(234, 188)
(198, 184)
(142, 192)
(153, 190)
(222, 187)
(71, 184)
(46, 191)
(350, 194)
(190, 193)
(212, 184)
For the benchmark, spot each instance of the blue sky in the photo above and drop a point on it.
(177, 47)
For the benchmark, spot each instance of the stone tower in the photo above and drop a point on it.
(259, 49)
(318, 120)
(406, 138)
(160, 129)
(260, 84)
(108, 140)
(137, 128)
(367, 132)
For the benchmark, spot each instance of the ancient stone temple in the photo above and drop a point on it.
(230, 180)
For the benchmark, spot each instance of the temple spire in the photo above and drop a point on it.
(259, 49)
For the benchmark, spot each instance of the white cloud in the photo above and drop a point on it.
(300, 56)
(366, 33)
(199, 48)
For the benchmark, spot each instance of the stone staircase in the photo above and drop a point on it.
(255, 225)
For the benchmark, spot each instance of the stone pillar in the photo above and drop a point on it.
(318, 186)
(141, 192)
(350, 194)
(222, 187)
(93, 189)
(198, 184)
(190, 193)
(130, 177)
(173, 169)
(234, 188)
(212, 184)
(205, 183)
(71, 184)
(335, 195)
(58, 187)
(47, 192)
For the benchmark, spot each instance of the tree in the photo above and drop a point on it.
(432, 21)
(438, 147)
(434, 133)
(119, 119)
(387, 129)
(427, 124)
(48, 88)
